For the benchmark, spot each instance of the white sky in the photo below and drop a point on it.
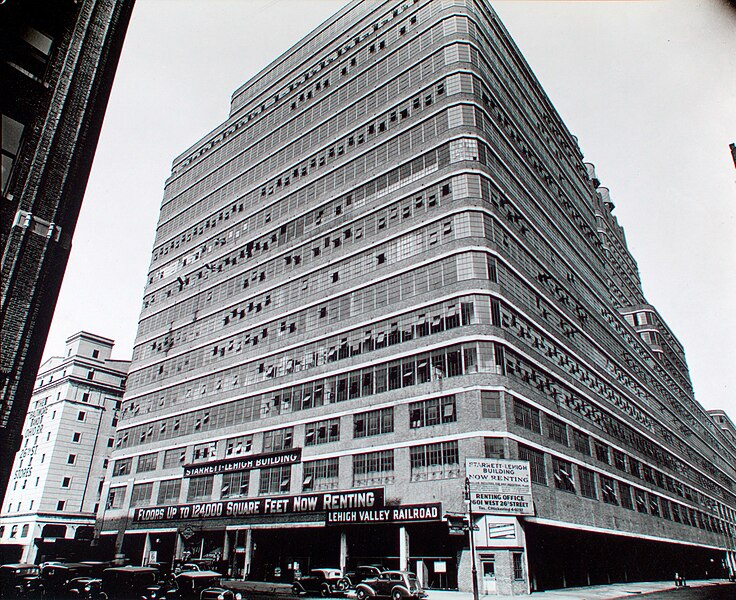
(648, 87)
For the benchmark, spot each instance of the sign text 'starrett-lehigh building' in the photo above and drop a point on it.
(500, 486)
(246, 463)
(279, 505)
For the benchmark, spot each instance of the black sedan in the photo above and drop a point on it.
(320, 581)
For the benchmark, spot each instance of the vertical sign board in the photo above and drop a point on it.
(500, 487)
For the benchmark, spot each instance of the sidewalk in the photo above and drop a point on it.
(596, 592)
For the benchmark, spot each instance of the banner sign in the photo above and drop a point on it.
(278, 505)
(499, 486)
(246, 463)
(407, 513)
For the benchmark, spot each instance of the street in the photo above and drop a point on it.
(721, 592)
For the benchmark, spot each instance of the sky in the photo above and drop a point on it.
(647, 86)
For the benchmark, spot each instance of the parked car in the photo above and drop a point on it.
(55, 578)
(84, 588)
(200, 585)
(130, 582)
(319, 581)
(358, 575)
(20, 580)
(391, 584)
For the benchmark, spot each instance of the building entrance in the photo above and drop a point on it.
(277, 553)
(488, 573)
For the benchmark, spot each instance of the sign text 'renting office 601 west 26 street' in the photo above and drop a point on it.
(499, 486)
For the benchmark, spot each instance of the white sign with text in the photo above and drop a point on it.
(499, 486)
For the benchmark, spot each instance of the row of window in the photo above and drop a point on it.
(434, 461)
(267, 123)
(556, 430)
(418, 323)
(614, 338)
(408, 208)
(194, 202)
(451, 361)
(13, 531)
(622, 341)
(422, 413)
(431, 277)
(219, 294)
(311, 251)
(286, 206)
(597, 486)
(326, 185)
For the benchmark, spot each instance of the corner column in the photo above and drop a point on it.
(403, 549)
(343, 551)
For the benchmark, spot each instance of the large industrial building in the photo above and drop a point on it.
(56, 484)
(391, 258)
(57, 65)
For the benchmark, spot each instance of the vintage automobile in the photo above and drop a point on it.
(84, 588)
(319, 581)
(391, 584)
(55, 578)
(358, 575)
(130, 582)
(20, 580)
(200, 585)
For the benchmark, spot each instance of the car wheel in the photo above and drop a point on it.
(324, 591)
(396, 595)
(361, 595)
(343, 584)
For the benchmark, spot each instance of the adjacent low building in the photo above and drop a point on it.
(389, 259)
(68, 435)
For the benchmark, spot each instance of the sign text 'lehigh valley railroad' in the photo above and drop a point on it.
(279, 505)
(390, 514)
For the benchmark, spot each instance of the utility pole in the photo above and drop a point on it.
(471, 534)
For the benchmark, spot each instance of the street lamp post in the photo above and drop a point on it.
(471, 527)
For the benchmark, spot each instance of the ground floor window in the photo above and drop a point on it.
(536, 463)
(321, 474)
(276, 480)
(373, 467)
(169, 490)
(200, 487)
(438, 460)
(141, 494)
(518, 558)
(235, 484)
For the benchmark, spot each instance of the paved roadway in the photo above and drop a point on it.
(711, 590)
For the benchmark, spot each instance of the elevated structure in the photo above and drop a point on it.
(57, 475)
(388, 259)
(57, 66)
